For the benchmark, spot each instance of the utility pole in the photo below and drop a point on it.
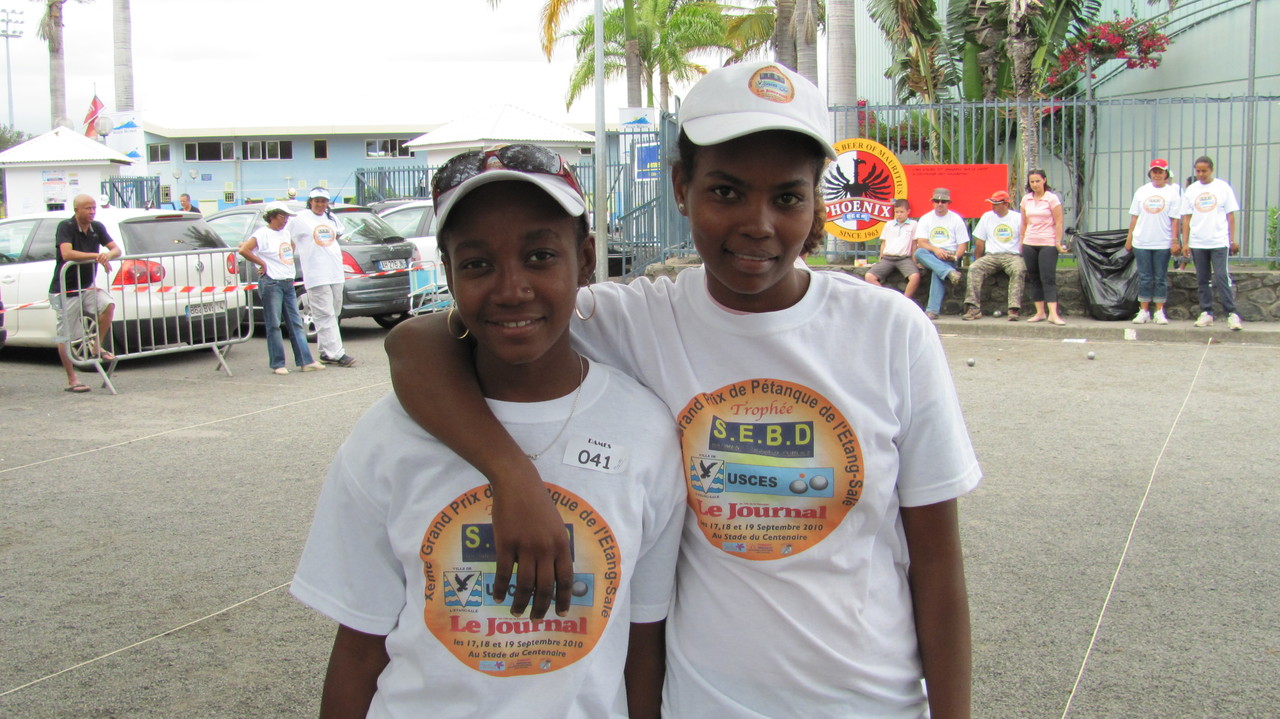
(8, 18)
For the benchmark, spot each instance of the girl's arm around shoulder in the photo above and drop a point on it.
(646, 666)
(351, 681)
(435, 381)
(941, 603)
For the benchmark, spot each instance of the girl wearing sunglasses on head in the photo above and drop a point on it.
(820, 569)
(402, 551)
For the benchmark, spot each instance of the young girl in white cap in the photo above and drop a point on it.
(1153, 236)
(820, 569)
(402, 554)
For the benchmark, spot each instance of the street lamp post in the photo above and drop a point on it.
(8, 18)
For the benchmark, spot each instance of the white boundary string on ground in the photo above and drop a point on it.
(1133, 526)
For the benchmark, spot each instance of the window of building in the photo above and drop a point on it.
(209, 151)
(267, 150)
(322, 149)
(158, 152)
(386, 148)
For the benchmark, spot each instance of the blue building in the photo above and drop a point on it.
(224, 166)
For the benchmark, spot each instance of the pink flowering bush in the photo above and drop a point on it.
(1139, 44)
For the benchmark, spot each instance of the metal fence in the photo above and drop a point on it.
(1096, 152)
(168, 302)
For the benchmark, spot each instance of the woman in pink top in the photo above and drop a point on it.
(1041, 242)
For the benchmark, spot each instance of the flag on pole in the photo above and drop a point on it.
(91, 119)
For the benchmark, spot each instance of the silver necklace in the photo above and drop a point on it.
(573, 408)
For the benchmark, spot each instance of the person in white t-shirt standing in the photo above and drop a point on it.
(897, 242)
(272, 251)
(997, 248)
(943, 239)
(1208, 233)
(315, 236)
(1153, 235)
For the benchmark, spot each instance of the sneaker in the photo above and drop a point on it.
(931, 315)
(343, 361)
(1234, 323)
(954, 277)
(1160, 318)
(313, 367)
(973, 313)
(280, 370)
(1142, 318)
(1013, 315)
(1204, 320)
(328, 360)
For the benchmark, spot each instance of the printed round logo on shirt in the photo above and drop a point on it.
(1002, 233)
(1154, 204)
(458, 563)
(772, 467)
(1206, 202)
(286, 253)
(323, 235)
(939, 233)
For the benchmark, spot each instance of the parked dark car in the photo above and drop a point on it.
(368, 245)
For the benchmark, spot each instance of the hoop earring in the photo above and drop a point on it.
(448, 323)
(578, 312)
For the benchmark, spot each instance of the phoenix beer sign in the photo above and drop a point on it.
(860, 187)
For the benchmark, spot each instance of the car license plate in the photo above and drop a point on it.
(392, 264)
(205, 308)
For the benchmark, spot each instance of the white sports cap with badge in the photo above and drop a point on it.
(753, 97)
(318, 192)
(521, 162)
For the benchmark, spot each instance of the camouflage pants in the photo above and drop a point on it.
(1011, 265)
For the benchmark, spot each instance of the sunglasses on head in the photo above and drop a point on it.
(519, 158)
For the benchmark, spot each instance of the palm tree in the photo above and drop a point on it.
(122, 35)
(842, 66)
(50, 30)
(668, 32)
(553, 15)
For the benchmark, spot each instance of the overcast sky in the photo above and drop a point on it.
(202, 63)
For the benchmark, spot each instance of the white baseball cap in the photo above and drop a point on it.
(519, 162)
(274, 206)
(318, 192)
(753, 97)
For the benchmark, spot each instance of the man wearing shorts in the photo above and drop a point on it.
(897, 243)
(81, 239)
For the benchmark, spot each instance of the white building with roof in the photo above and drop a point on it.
(499, 125)
(47, 172)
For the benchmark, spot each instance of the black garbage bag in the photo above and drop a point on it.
(1108, 274)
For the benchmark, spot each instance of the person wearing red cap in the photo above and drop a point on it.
(997, 247)
(1153, 236)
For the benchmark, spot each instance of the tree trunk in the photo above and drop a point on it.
(632, 48)
(805, 32)
(842, 67)
(57, 67)
(664, 91)
(122, 36)
(1021, 49)
(784, 42)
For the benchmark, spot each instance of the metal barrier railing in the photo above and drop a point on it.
(166, 303)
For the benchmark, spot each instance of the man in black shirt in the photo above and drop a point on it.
(80, 239)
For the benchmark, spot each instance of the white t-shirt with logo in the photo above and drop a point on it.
(898, 239)
(1156, 208)
(1208, 206)
(804, 431)
(315, 239)
(945, 233)
(276, 251)
(1000, 235)
(402, 546)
